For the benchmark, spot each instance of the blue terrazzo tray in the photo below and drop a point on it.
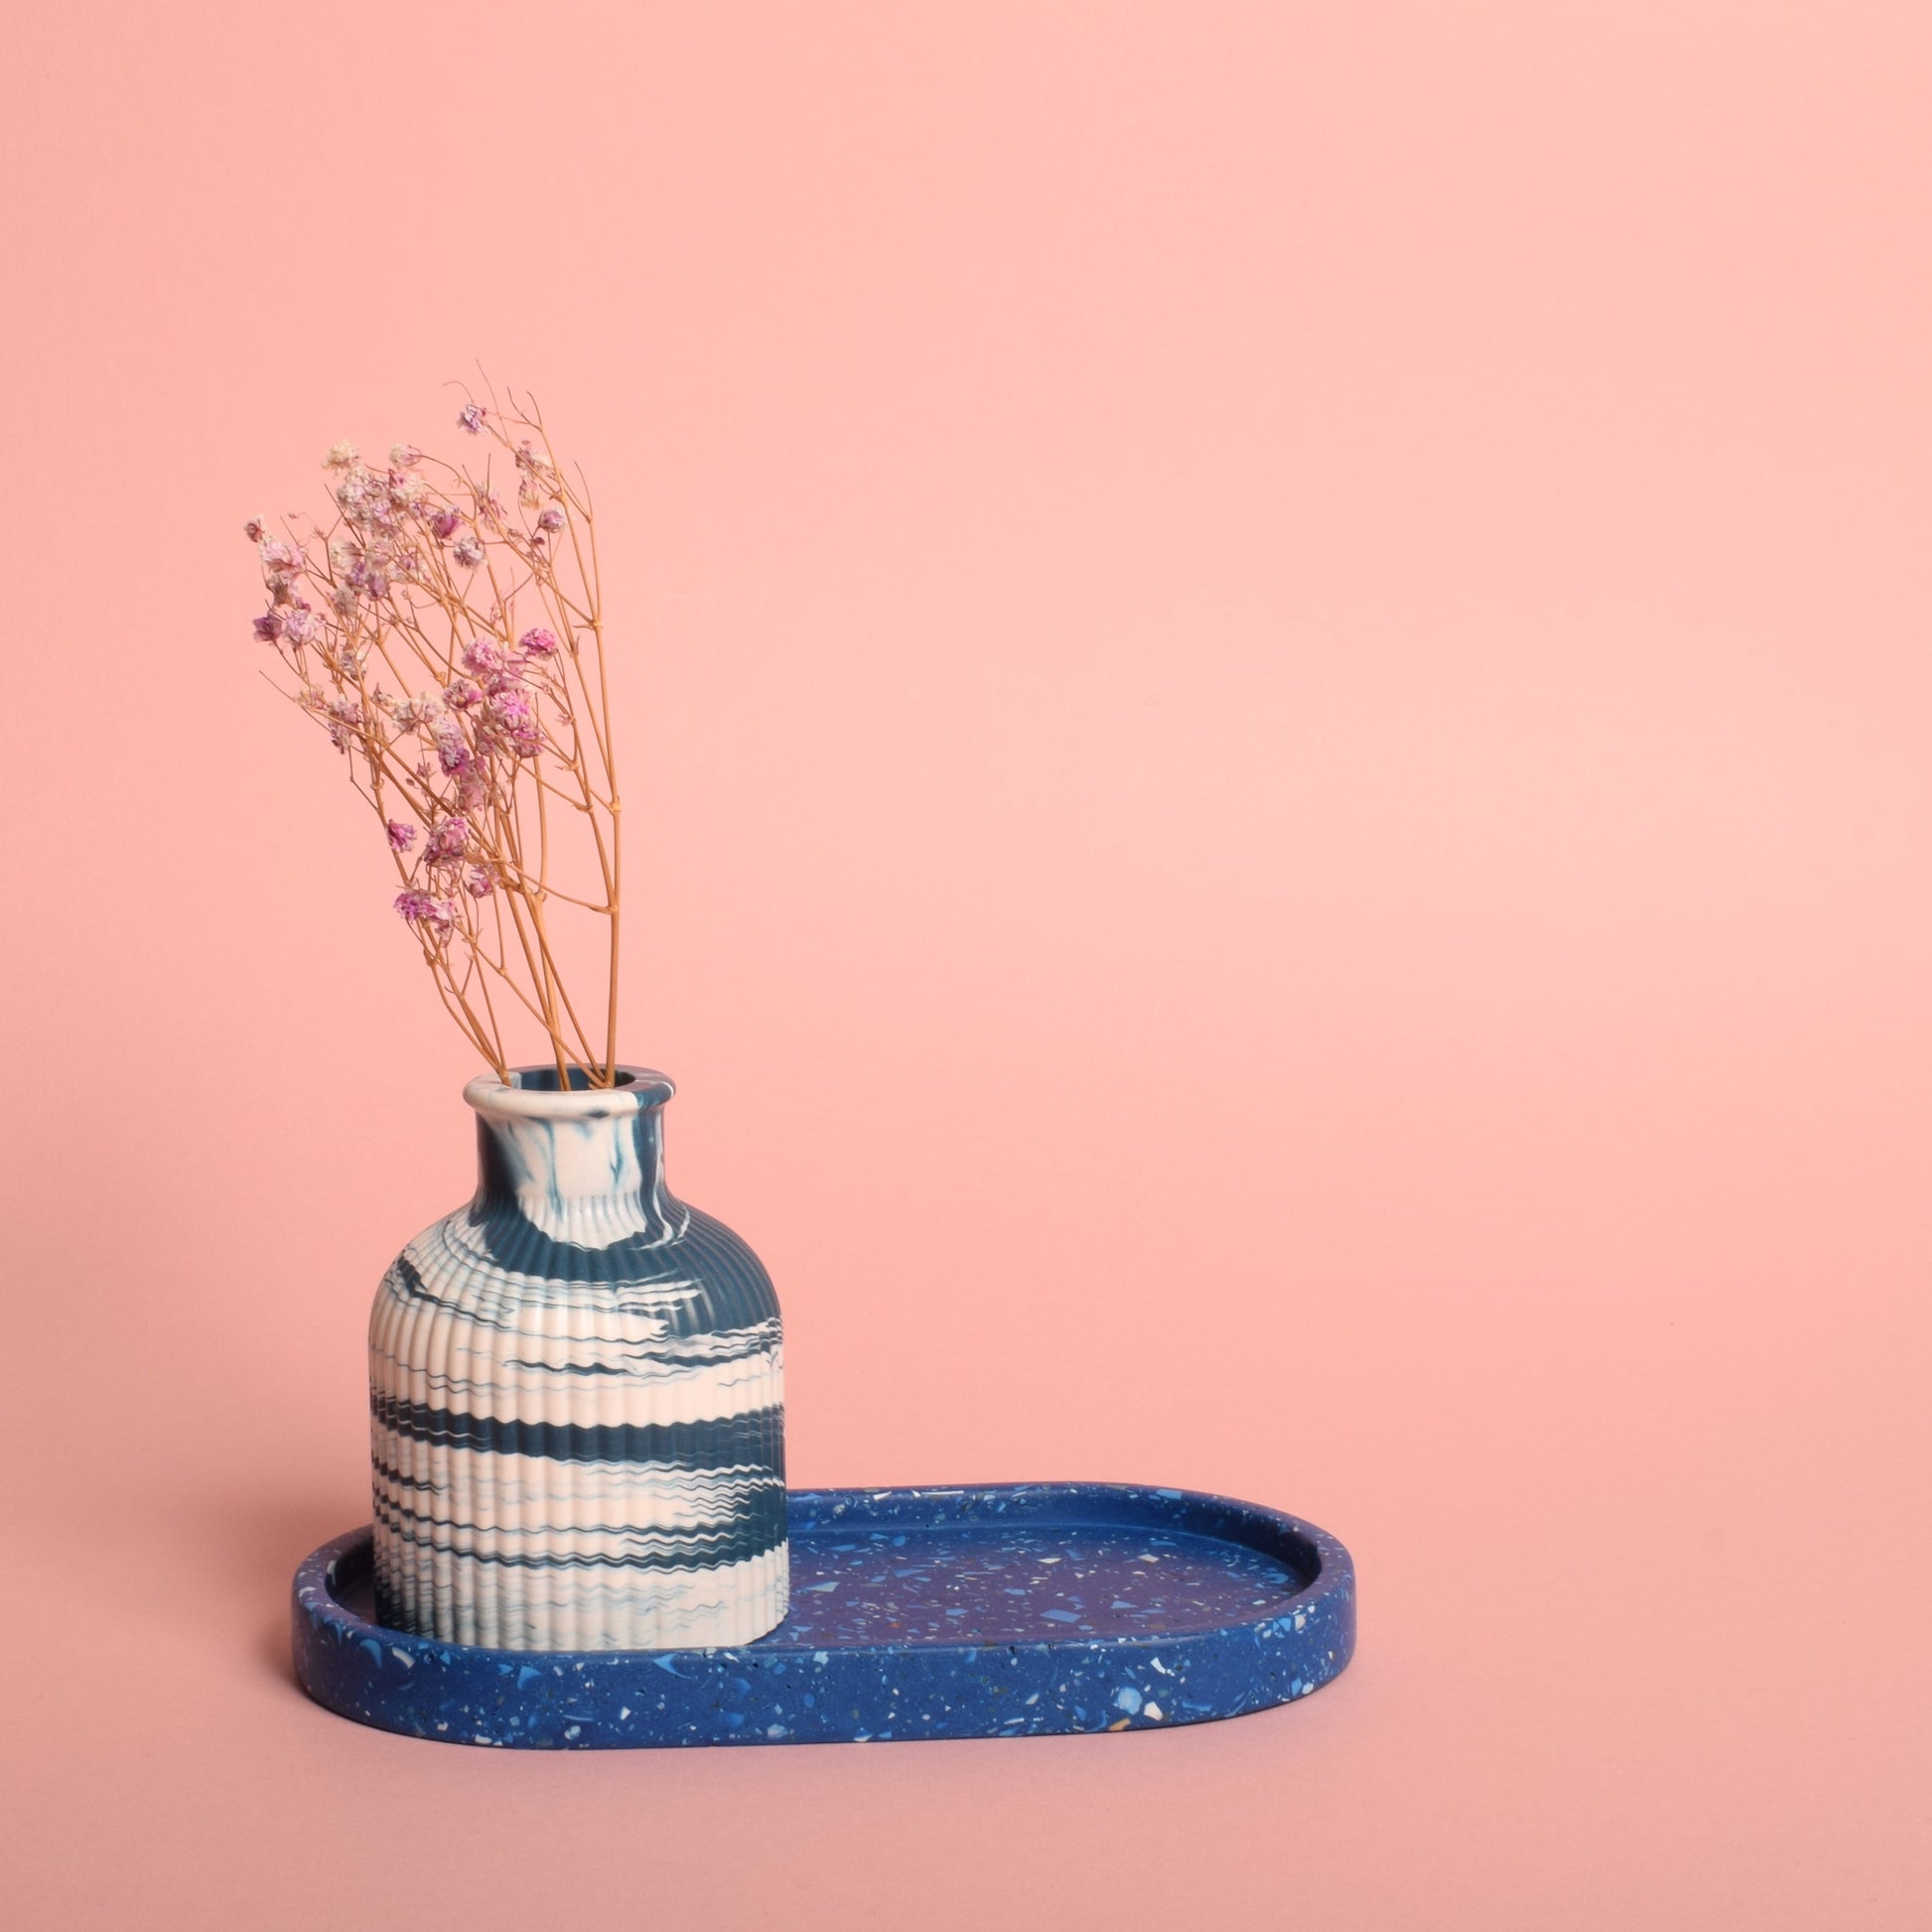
(1009, 1610)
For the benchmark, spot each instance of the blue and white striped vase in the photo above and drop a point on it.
(575, 1392)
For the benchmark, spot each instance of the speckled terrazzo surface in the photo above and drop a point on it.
(1008, 1610)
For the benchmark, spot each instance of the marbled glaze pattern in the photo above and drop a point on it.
(576, 1394)
(1006, 1611)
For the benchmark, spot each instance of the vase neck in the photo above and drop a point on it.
(584, 1166)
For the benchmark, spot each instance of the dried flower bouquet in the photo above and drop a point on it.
(450, 643)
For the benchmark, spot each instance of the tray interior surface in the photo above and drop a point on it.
(995, 1581)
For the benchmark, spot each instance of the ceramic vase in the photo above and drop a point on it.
(576, 1391)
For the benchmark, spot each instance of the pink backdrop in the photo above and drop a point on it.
(1280, 707)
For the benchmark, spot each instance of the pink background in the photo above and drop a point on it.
(1280, 704)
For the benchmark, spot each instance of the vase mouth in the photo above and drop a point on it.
(532, 1093)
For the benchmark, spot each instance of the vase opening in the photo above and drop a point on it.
(543, 1079)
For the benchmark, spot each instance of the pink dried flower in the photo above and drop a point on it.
(461, 693)
(344, 715)
(364, 497)
(453, 751)
(551, 519)
(278, 557)
(255, 529)
(449, 840)
(412, 713)
(444, 524)
(482, 655)
(540, 642)
(419, 909)
(471, 418)
(404, 455)
(472, 788)
(513, 721)
(467, 552)
(268, 627)
(401, 836)
(478, 883)
(340, 457)
(299, 627)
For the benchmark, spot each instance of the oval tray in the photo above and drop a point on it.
(1006, 1610)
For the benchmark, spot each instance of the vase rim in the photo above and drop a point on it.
(638, 1089)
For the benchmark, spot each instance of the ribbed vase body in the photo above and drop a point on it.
(576, 1390)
